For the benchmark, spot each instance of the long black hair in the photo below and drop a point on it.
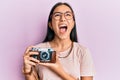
(50, 33)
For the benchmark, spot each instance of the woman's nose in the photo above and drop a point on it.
(62, 17)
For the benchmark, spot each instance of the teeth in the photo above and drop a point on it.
(63, 25)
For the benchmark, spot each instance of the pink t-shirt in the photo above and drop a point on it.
(78, 63)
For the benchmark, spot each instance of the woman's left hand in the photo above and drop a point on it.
(53, 66)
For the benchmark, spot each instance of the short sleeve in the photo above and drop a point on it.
(86, 64)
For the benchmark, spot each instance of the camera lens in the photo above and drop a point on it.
(44, 56)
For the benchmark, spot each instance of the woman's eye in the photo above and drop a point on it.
(56, 15)
(68, 14)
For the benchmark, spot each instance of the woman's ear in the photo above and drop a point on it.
(50, 25)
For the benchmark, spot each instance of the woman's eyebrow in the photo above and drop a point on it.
(57, 12)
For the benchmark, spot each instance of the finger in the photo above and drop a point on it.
(34, 60)
(28, 49)
(31, 63)
(46, 64)
(33, 53)
(26, 59)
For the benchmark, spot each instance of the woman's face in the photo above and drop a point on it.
(62, 22)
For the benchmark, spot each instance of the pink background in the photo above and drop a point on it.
(24, 23)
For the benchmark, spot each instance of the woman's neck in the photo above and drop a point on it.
(61, 45)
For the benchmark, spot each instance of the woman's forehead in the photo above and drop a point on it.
(62, 8)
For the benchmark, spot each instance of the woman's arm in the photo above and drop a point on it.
(29, 69)
(87, 78)
(31, 76)
(87, 67)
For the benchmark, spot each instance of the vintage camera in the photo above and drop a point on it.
(45, 54)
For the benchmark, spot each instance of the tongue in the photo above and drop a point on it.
(62, 30)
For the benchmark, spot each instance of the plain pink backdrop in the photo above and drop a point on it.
(24, 23)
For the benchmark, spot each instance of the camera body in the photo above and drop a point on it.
(45, 54)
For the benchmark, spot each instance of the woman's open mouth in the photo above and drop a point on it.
(63, 28)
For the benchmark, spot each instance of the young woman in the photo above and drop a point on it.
(73, 61)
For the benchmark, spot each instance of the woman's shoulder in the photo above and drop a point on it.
(79, 45)
(80, 48)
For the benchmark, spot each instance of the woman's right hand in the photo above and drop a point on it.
(29, 61)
